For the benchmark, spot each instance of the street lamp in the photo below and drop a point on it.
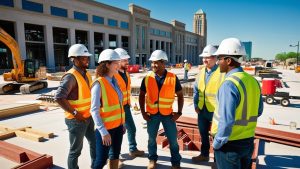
(297, 52)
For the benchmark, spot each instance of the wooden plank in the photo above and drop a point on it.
(7, 135)
(6, 128)
(40, 133)
(17, 109)
(29, 136)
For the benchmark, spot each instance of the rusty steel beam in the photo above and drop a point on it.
(277, 136)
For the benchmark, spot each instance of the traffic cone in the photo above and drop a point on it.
(272, 121)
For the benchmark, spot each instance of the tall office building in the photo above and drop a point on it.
(200, 25)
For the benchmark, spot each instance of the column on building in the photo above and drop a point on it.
(119, 41)
(106, 40)
(20, 37)
(91, 48)
(49, 47)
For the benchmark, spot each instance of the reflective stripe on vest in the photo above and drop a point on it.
(160, 101)
(245, 115)
(207, 92)
(125, 88)
(83, 104)
(111, 110)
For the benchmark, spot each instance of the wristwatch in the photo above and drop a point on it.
(74, 113)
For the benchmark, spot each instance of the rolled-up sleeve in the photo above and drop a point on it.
(66, 85)
(95, 106)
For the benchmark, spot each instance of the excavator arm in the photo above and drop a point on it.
(18, 72)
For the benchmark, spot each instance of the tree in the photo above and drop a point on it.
(281, 56)
(291, 55)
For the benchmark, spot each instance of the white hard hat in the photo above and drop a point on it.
(231, 46)
(158, 55)
(78, 50)
(108, 55)
(123, 53)
(185, 60)
(208, 51)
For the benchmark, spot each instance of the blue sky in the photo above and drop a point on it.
(271, 25)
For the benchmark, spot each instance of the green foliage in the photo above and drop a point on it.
(283, 56)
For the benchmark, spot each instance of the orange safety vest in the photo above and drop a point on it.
(125, 88)
(111, 110)
(160, 101)
(83, 104)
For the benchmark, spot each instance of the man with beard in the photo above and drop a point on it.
(74, 96)
(205, 90)
(160, 88)
(124, 82)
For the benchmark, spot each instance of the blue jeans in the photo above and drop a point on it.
(112, 151)
(235, 155)
(186, 75)
(204, 120)
(171, 133)
(77, 131)
(131, 129)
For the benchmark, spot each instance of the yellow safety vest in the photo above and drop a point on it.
(111, 110)
(83, 104)
(207, 92)
(125, 88)
(160, 100)
(247, 111)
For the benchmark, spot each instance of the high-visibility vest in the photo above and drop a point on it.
(125, 88)
(247, 111)
(111, 109)
(83, 104)
(207, 92)
(160, 101)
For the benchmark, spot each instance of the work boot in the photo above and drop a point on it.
(136, 153)
(175, 167)
(113, 164)
(200, 158)
(152, 164)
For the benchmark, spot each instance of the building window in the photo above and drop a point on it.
(81, 37)
(6, 59)
(61, 46)
(143, 37)
(32, 6)
(112, 43)
(35, 43)
(9, 3)
(112, 22)
(124, 25)
(98, 19)
(151, 31)
(59, 11)
(99, 46)
(80, 16)
(125, 43)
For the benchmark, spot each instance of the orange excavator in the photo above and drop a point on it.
(26, 75)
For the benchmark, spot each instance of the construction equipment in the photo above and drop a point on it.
(26, 75)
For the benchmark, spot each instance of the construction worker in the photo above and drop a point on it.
(205, 89)
(239, 106)
(73, 95)
(160, 88)
(124, 82)
(186, 68)
(107, 111)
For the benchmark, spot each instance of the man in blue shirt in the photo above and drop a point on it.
(205, 89)
(239, 106)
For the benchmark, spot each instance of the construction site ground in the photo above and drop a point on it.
(51, 118)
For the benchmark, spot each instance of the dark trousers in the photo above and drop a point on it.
(204, 121)
(235, 154)
(131, 129)
(77, 131)
(113, 151)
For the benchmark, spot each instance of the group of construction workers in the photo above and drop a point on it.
(226, 99)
